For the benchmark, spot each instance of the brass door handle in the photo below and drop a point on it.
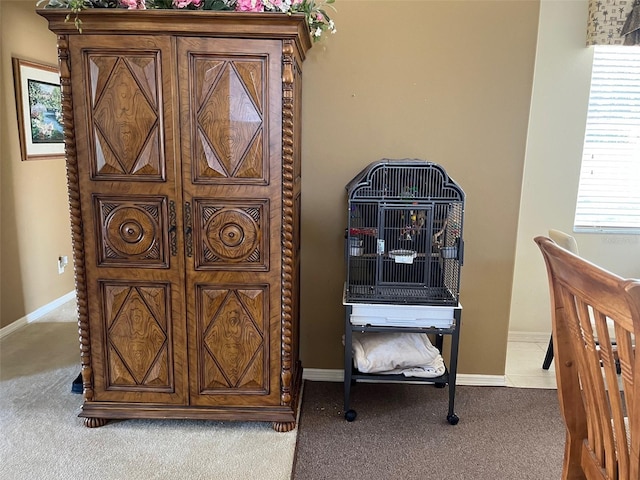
(173, 240)
(188, 235)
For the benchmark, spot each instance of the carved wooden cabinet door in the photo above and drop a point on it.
(231, 150)
(129, 192)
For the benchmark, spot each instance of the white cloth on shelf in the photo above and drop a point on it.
(409, 354)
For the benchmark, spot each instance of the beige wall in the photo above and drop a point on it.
(35, 228)
(447, 81)
(552, 168)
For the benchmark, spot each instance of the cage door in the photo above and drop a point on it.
(406, 232)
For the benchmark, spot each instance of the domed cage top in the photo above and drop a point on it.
(404, 236)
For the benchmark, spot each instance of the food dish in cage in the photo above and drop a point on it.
(403, 256)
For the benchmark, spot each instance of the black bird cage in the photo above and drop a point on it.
(404, 238)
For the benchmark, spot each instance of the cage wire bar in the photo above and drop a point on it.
(404, 236)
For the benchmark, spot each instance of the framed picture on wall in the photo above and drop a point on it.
(39, 110)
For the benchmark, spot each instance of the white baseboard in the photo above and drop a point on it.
(337, 375)
(36, 315)
(481, 380)
(530, 337)
(323, 374)
(12, 327)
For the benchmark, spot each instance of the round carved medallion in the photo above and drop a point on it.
(232, 234)
(130, 231)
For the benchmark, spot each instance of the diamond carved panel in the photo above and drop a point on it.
(126, 116)
(138, 352)
(234, 339)
(229, 117)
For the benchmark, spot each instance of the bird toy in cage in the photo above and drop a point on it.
(417, 219)
(372, 232)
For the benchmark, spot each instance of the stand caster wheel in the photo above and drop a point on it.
(439, 385)
(453, 419)
(350, 415)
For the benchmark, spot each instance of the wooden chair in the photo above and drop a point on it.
(567, 242)
(601, 409)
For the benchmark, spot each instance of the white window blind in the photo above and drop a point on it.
(609, 189)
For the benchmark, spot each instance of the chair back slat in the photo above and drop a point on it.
(598, 405)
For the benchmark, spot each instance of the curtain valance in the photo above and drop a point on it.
(613, 22)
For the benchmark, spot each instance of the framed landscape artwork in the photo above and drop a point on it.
(39, 110)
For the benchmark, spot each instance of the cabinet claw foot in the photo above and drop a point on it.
(283, 427)
(90, 422)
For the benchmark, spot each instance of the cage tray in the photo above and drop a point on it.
(426, 316)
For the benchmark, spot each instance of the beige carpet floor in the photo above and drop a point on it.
(43, 439)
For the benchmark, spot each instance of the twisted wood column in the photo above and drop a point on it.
(287, 230)
(73, 187)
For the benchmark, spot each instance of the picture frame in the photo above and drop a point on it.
(39, 110)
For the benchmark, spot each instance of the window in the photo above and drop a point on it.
(609, 189)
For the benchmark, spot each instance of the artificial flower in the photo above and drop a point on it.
(249, 6)
(133, 4)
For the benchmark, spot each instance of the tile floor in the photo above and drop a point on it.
(524, 366)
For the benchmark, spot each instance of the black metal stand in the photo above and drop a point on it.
(351, 375)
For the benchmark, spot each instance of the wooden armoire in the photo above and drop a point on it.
(182, 136)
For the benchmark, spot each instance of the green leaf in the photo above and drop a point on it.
(215, 5)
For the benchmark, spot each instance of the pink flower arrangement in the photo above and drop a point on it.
(314, 10)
